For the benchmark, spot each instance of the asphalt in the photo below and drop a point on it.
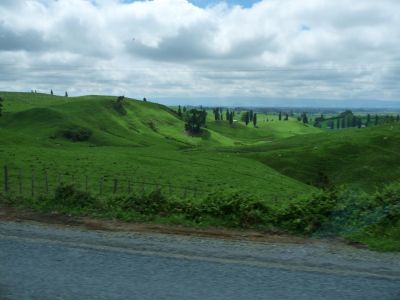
(40, 261)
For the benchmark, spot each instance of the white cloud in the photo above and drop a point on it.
(171, 48)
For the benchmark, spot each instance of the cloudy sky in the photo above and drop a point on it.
(239, 51)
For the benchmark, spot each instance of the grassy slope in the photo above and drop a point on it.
(146, 144)
(364, 158)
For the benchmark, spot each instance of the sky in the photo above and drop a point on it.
(204, 52)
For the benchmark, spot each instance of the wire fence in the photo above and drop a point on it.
(35, 183)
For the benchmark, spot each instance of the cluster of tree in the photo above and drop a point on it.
(303, 118)
(119, 105)
(249, 116)
(51, 93)
(218, 114)
(195, 119)
(181, 111)
(285, 116)
(1, 106)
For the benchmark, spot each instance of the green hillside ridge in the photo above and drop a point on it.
(147, 144)
(283, 174)
(364, 158)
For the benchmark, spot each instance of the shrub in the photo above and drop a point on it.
(69, 195)
(77, 134)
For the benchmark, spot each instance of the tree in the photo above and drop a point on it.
(398, 118)
(376, 119)
(51, 92)
(179, 111)
(368, 119)
(227, 115)
(304, 118)
(1, 106)
(286, 117)
(245, 117)
(280, 116)
(251, 114)
(231, 118)
(144, 99)
(195, 119)
(255, 120)
(66, 94)
(119, 105)
(184, 109)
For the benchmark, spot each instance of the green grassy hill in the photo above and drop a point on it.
(147, 143)
(365, 158)
(265, 176)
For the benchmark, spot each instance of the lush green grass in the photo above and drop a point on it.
(147, 144)
(277, 164)
(363, 158)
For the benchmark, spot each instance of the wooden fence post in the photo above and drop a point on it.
(33, 184)
(101, 186)
(6, 179)
(46, 182)
(115, 186)
(20, 181)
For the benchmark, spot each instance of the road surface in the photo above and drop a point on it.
(54, 262)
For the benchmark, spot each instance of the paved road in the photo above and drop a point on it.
(50, 262)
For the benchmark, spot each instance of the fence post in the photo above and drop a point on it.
(6, 179)
(46, 182)
(58, 180)
(115, 186)
(33, 183)
(101, 186)
(20, 181)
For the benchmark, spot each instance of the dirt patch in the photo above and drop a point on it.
(24, 215)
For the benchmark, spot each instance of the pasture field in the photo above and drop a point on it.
(284, 173)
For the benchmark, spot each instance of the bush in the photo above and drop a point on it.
(307, 214)
(70, 196)
(236, 208)
(150, 204)
(77, 134)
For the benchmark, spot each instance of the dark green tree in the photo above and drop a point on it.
(255, 120)
(184, 109)
(251, 114)
(398, 118)
(179, 111)
(304, 118)
(245, 117)
(227, 115)
(144, 99)
(51, 92)
(280, 116)
(376, 119)
(66, 94)
(195, 119)
(1, 106)
(368, 119)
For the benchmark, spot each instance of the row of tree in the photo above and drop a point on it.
(1, 106)
(347, 119)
